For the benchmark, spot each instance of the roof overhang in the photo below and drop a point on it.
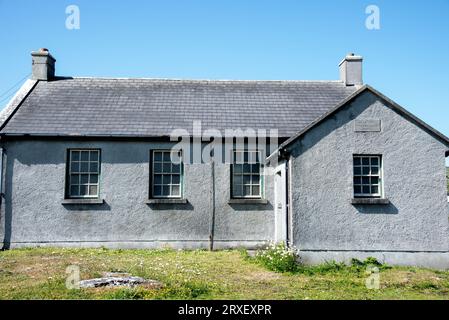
(15, 102)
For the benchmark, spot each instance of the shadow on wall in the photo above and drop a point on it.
(251, 207)
(113, 150)
(170, 207)
(377, 209)
(85, 208)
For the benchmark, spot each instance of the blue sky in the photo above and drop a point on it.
(407, 59)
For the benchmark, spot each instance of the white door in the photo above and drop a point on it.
(280, 204)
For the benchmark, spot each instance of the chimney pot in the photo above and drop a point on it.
(43, 65)
(351, 70)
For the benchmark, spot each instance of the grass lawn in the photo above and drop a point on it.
(40, 274)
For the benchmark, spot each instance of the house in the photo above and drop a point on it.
(334, 168)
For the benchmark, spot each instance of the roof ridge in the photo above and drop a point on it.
(205, 80)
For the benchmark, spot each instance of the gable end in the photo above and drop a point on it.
(396, 107)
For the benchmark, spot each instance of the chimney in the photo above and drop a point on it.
(43, 65)
(351, 70)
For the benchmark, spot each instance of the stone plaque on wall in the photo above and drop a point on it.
(367, 125)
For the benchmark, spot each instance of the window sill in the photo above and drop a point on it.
(247, 201)
(83, 201)
(370, 201)
(166, 201)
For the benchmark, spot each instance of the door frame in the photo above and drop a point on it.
(281, 204)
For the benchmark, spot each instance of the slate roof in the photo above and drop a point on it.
(154, 107)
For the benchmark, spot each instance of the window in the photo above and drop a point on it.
(246, 174)
(83, 173)
(166, 174)
(367, 176)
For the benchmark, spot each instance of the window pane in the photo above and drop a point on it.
(176, 168)
(175, 191)
(166, 179)
(365, 161)
(83, 190)
(246, 179)
(84, 155)
(237, 191)
(357, 170)
(74, 179)
(365, 189)
(255, 179)
(357, 189)
(157, 168)
(365, 170)
(157, 190)
(84, 167)
(374, 170)
(256, 190)
(246, 168)
(365, 180)
(94, 167)
(74, 191)
(165, 190)
(94, 156)
(84, 179)
(357, 180)
(74, 155)
(374, 180)
(75, 167)
(374, 189)
(374, 161)
(175, 179)
(246, 190)
(255, 168)
(92, 190)
(166, 157)
(167, 167)
(238, 168)
(157, 179)
(157, 156)
(238, 179)
(357, 161)
(93, 178)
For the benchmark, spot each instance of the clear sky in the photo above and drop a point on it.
(407, 58)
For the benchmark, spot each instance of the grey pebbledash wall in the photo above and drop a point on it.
(414, 178)
(33, 213)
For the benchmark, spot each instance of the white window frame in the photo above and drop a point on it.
(369, 174)
(80, 173)
(162, 173)
(250, 174)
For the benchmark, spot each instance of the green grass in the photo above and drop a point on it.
(40, 274)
